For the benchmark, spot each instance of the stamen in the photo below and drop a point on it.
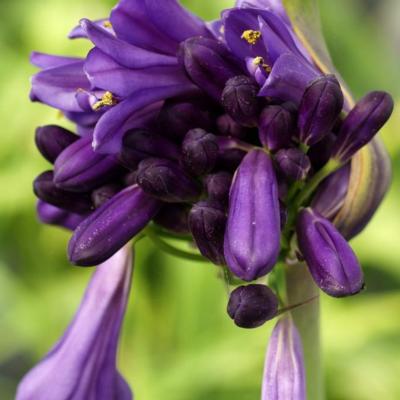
(107, 24)
(108, 99)
(259, 61)
(251, 36)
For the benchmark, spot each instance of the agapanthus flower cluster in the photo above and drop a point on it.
(227, 134)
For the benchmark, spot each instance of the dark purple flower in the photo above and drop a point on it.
(218, 186)
(207, 223)
(293, 164)
(104, 193)
(362, 123)
(251, 306)
(174, 217)
(330, 259)
(319, 109)
(167, 181)
(111, 226)
(82, 365)
(252, 236)
(284, 372)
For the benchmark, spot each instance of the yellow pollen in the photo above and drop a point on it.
(60, 114)
(108, 99)
(107, 24)
(259, 61)
(251, 36)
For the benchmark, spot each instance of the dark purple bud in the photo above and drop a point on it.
(331, 194)
(330, 259)
(177, 118)
(167, 181)
(276, 127)
(253, 305)
(139, 144)
(240, 100)
(207, 223)
(130, 179)
(218, 186)
(79, 168)
(52, 215)
(320, 153)
(252, 236)
(320, 107)
(208, 63)
(199, 151)
(362, 123)
(111, 226)
(228, 127)
(104, 193)
(46, 190)
(293, 164)
(230, 159)
(174, 218)
(51, 140)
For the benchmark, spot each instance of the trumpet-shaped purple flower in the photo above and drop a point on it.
(284, 374)
(82, 365)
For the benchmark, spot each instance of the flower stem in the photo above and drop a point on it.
(300, 287)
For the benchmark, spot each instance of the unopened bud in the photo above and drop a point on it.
(293, 163)
(218, 186)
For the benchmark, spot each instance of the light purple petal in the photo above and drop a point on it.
(275, 6)
(113, 124)
(57, 87)
(79, 33)
(124, 53)
(82, 365)
(133, 25)
(44, 61)
(284, 375)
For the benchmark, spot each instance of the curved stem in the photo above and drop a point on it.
(300, 286)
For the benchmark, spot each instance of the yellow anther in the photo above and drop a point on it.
(259, 61)
(107, 24)
(108, 99)
(60, 114)
(251, 36)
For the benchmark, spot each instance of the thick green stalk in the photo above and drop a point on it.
(300, 288)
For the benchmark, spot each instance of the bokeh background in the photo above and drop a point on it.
(178, 343)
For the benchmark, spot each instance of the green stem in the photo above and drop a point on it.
(301, 287)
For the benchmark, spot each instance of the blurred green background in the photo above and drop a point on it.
(178, 343)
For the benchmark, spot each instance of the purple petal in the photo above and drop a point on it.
(57, 87)
(124, 53)
(289, 78)
(82, 365)
(45, 61)
(284, 374)
(274, 6)
(79, 33)
(105, 73)
(114, 123)
(133, 25)
(175, 21)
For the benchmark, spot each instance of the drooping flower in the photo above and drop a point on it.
(82, 365)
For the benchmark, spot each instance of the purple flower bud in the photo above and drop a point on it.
(104, 193)
(111, 226)
(207, 223)
(284, 372)
(208, 63)
(276, 127)
(174, 217)
(252, 236)
(320, 107)
(218, 186)
(199, 151)
(230, 159)
(82, 365)
(51, 140)
(139, 144)
(167, 181)
(330, 259)
(330, 196)
(52, 215)
(362, 123)
(253, 305)
(320, 153)
(177, 118)
(79, 168)
(293, 163)
(228, 127)
(240, 100)
(46, 190)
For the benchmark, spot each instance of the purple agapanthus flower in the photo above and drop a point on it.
(219, 133)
